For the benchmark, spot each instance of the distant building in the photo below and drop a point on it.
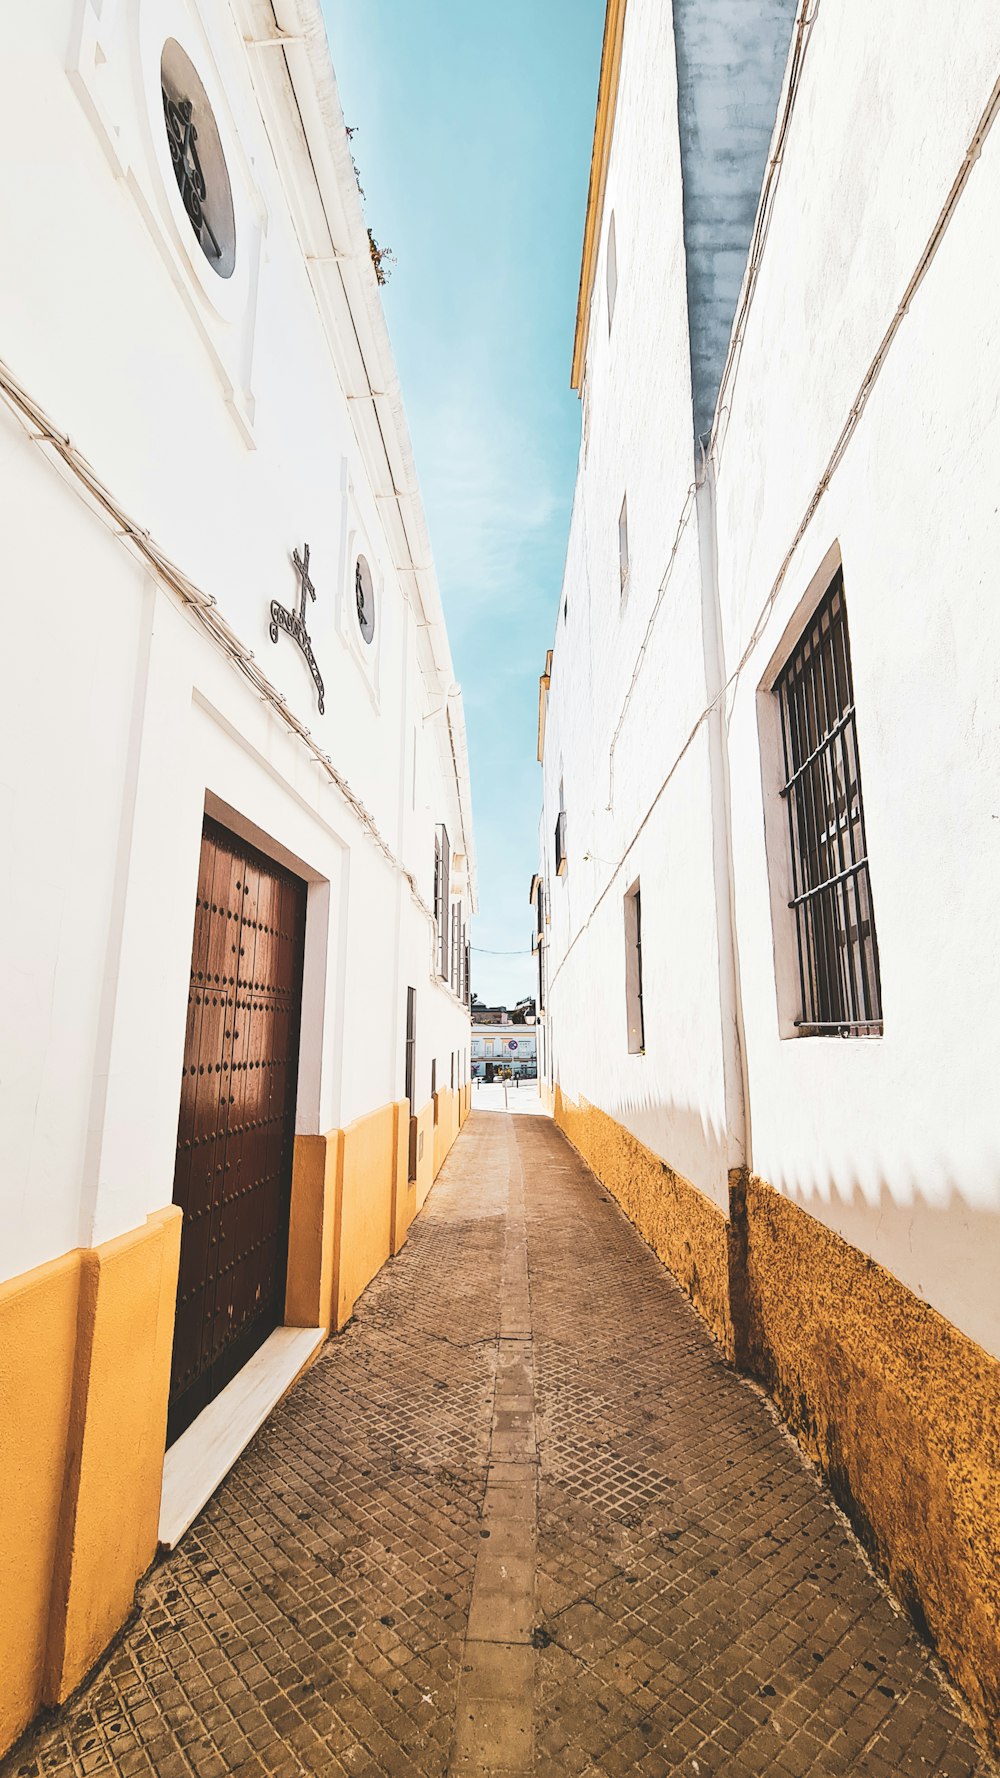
(501, 1045)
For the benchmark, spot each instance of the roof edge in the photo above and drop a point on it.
(607, 100)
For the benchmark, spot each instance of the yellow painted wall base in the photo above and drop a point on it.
(685, 1229)
(899, 1409)
(446, 1125)
(426, 1173)
(369, 1179)
(85, 1346)
(84, 1373)
(353, 1203)
(902, 1413)
(404, 1196)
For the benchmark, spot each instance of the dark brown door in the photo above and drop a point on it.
(236, 1129)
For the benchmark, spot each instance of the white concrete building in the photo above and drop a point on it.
(230, 706)
(769, 730)
(503, 1046)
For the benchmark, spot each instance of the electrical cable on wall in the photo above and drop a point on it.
(202, 605)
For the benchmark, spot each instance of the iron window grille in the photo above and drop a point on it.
(831, 892)
(197, 158)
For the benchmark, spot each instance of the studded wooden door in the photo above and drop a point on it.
(233, 1169)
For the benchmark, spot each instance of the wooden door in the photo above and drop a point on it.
(233, 1170)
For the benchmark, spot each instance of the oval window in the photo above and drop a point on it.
(364, 593)
(197, 158)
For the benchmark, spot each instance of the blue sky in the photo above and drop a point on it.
(474, 127)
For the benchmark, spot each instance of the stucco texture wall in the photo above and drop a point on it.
(902, 1412)
(369, 1167)
(685, 1229)
(446, 1125)
(85, 1347)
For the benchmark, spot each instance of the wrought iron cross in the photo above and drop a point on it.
(294, 622)
(302, 568)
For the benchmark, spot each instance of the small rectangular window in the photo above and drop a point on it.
(839, 979)
(411, 1043)
(623, 542)
(612, 270)
(410, 1062)
(562, 863)
(633, 971)
(442, 872)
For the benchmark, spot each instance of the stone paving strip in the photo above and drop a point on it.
(495, 1696)
(520, 1517)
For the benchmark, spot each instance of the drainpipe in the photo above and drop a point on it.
(736, 1086)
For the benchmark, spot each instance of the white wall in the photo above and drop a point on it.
(608, 739)
(893, 1142)
(890, 1141)
(121, 720)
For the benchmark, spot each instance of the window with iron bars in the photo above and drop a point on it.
(831, 892)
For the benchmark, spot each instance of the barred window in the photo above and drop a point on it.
(831, 892)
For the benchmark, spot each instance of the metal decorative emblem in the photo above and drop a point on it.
(183, 139)
(364, 598)
(294, 622)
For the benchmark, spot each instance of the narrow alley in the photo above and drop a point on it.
(519, 1517)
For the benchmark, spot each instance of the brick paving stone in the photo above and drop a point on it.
(704, 1608)
(700, 1608)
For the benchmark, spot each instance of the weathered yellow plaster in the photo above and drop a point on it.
(446, 1125)
(111, 1497)
(425, 1152)
(84, 1373)
(38, 1319)
(404, 1189)
(369, 1170)
(685, 1229)
(902, 1412)
(314, 1230)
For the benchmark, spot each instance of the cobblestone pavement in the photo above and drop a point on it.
(519, 1517)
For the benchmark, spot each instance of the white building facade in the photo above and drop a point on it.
(768, 727)
(510, 1047)
(230, 712)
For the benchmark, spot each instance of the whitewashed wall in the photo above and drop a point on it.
(893, 1142)
(220, 423)
(637, 441)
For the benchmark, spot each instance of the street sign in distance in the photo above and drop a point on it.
(512, 1044)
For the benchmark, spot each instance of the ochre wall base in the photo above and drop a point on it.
(684, 1228)
(85, 1354)
(425, 1153)
(446, 1124)
(902, 1413)
(899, 1409)
(85, 1346)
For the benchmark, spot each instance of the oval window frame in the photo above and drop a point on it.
(181, 83)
